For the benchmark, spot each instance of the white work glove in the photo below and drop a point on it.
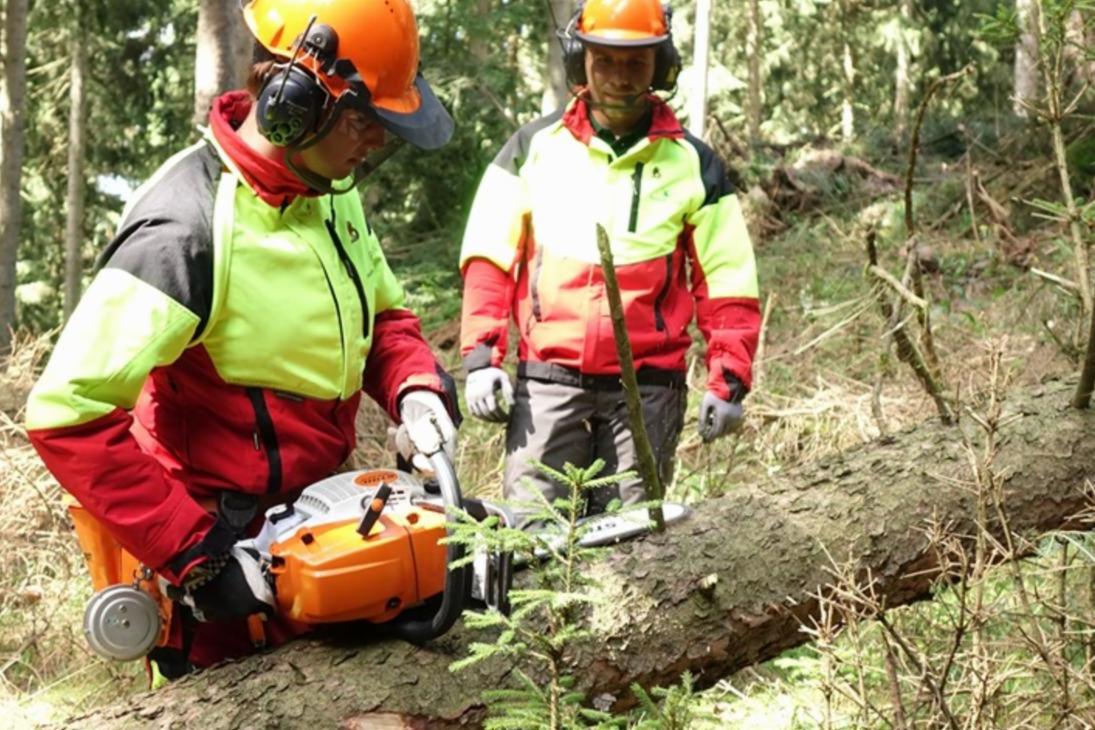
(480, 393)
(426, 428)
(718, 417)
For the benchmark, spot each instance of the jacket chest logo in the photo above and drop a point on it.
(354, 235)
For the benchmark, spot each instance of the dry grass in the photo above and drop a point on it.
(43, 582)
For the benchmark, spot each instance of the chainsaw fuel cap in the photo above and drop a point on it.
(122, 623)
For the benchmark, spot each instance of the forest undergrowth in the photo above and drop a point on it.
(826, 379)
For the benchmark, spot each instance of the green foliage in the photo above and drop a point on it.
(546, 620)
(673, 708)
(140, 95)
(543, 624)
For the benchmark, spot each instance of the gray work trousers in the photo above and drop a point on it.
(557, 424)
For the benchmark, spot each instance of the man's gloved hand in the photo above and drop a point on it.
(482, 394)
(426, 428)
(230, 586)
(718, 417)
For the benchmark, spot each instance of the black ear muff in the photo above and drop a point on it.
(289, 105)
(574, 60)
(574, 52)
(292, 101)
(667, 61)
(667, 66)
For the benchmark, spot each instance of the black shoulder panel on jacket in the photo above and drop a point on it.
(166, 240)
(715, 180)
(515, 152)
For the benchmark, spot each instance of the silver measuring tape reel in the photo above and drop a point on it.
(122, 623)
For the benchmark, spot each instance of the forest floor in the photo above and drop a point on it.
(824, 345)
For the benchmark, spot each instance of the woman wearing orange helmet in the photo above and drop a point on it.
(617, 157)
(214, 366)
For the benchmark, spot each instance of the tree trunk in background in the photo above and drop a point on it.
(729, 587)
(76, 193)
(697, 102)
(216, 62)
(847, 108)
(478, 45)
(754, 43)
(244, 46)
(556, 88)
(1025, 90)
(901, 75)
(13, 50)
(1079, 41)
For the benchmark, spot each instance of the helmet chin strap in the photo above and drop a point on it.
(316, 182)
(632, 103)
(326, 186)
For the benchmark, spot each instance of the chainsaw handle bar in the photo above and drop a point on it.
(458, 580)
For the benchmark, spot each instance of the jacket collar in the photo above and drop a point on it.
(663, 122)
(271, 180)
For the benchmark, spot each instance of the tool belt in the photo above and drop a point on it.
(563, 375)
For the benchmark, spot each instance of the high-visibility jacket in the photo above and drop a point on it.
(678, 238)
(223, 345)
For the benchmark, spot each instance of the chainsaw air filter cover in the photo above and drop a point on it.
(122, 623)
(327, 571)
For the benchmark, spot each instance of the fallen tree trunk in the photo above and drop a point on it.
(729, 587)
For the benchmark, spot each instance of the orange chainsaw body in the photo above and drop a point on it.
(330, 573)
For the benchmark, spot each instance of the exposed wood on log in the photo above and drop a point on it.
(727, 588)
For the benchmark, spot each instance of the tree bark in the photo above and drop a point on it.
(216, 61)
(1077, 43)
(901, 75)
(13, 50)
(847, 67)
(730, 586)
(1025, 88)
(701, 56)
(754, 42)
(556, 84)
(76, 192)
(244, 46)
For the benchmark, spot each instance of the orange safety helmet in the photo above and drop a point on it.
(366, 56)
(623, 23)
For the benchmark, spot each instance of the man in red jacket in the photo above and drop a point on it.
(215, 364)
(618, 157)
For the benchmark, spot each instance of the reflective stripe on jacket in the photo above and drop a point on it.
(224, 344)
(678, 239)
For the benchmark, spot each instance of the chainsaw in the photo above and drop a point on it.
(358, 546)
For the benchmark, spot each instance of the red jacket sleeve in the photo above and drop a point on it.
(401, 360)
(148, 512)
(731, 327)
(484, 319)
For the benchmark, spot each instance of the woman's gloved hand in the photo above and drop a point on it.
(718, 417)
(230, 586)
(426, 428)
(485, 392)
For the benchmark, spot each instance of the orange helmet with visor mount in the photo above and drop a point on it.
(362, 54)
(623, 23)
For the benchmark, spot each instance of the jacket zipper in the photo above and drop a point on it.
(351, 271)
(265, 436)
(338, 311)
(636, 193)
(537, 263)
(659, 301)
